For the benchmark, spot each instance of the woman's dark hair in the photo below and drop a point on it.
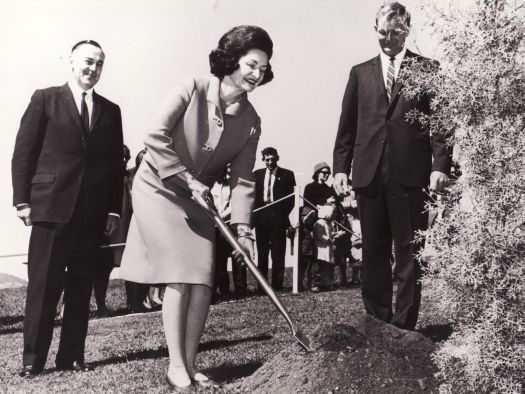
(224, 59)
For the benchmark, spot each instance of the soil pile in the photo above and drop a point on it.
(369, 356)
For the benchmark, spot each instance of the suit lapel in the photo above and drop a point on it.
(67, 97)
(97, 111)
(215, 116)
(276, 181)
(378, 73)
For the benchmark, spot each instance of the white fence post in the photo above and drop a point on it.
(296, 224)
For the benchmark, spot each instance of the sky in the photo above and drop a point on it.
(150, 45)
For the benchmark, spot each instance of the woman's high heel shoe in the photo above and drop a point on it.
(180, 389)
(202, 380)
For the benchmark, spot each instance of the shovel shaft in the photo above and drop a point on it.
(232, 240)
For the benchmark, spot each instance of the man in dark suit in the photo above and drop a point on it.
(393, 161)
(67, 183)
(271, 184)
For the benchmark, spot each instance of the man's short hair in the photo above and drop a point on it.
(90, 42)
(393, 9)
(269, 151)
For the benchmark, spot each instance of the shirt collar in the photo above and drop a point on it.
(77, 90)
(274, 172)
(385, 59)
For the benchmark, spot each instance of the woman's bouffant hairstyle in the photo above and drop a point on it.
(224, 59)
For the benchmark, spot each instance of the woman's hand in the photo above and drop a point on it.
(245, 239)
(194, 184)
(198, 187)
(247, 244)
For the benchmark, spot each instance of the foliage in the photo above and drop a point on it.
(478, 270)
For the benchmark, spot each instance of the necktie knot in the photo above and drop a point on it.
(392, 58)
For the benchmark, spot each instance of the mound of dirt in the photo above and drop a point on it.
(369, 356)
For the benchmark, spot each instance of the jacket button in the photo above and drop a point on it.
(219, 122)
(382, 140)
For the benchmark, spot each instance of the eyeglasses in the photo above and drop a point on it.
(270, 159)
(325, 172)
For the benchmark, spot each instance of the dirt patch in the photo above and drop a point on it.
(368, 356)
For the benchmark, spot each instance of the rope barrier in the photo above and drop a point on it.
(273, 202)
(13, 255)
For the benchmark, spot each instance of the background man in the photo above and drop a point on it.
(271, 184)
(67, 183)
(391, 163)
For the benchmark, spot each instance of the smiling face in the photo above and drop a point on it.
(250, 73)
(270, 160)
(323, 175)
(392, 33)
(86, 64)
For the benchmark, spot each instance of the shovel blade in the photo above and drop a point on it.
(302, 340)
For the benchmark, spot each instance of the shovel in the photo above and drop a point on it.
(225, 230)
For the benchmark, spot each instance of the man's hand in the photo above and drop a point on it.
(23, 211)
(111, 225)
(438, 181)
(341, 184)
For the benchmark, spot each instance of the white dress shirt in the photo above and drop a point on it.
(77, 95)
(267, 174)
(385, 62)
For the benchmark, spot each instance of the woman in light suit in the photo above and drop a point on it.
(204, 124)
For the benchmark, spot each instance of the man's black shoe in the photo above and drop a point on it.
(76, 366)
(29, 371)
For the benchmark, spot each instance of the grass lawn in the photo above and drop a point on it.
(130, 354)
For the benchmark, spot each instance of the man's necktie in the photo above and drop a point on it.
(390, 78)
(84, 114)
(269, 188)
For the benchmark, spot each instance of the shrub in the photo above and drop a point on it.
(478, 268)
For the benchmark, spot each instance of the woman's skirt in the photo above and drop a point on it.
(170, 239)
